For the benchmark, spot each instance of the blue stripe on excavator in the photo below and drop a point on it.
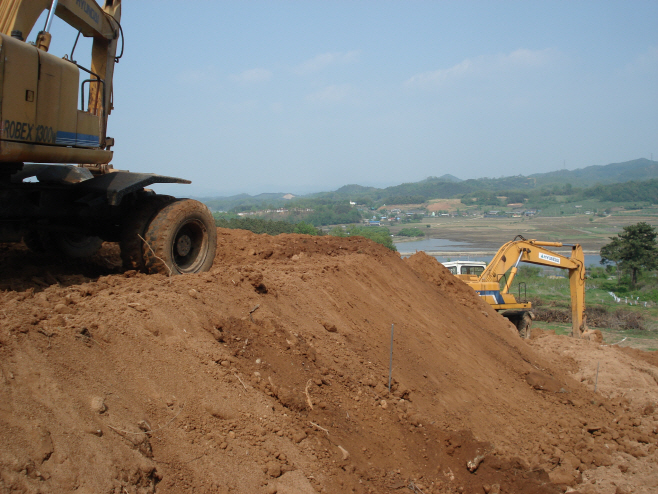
(494, 293)
(73, 139)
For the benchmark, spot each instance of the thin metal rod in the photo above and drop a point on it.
(74, 45)
(596, 382)
(51, 15)
(390, 362)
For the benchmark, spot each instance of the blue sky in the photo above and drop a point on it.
(304, 96)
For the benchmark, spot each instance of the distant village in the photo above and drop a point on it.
(384, 216)
(399, 215)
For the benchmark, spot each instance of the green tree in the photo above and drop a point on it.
(635, 249)
(611, 254)
(381, 235)
(306, 228)
(411, 232)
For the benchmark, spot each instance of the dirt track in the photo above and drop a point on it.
(269, 374)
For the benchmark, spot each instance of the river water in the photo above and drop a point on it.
(445, 250)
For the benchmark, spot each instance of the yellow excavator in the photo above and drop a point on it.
(488, 283)
(58, 190)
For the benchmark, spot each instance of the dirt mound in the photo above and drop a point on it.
(626, 381)
(270, 374)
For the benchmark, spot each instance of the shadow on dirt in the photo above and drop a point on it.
(21, 269)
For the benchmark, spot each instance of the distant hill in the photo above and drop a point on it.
(245, 201)
(354, 189)
(444, 178)
(448, 186)
(640, 169)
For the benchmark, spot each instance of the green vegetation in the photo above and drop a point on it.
(377, 234)
(414, 218)
(551, 300)
(331, 214)
(595, 190)
(635, 249)
(411, 232)
(409, 199)
(258, 225)
(526, 271)
(646, 191)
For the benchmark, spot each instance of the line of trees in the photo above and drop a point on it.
(379, 234)
(258, 225)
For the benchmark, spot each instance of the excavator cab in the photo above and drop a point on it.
(466, 270)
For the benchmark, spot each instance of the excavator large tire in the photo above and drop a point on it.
(524, 325)
(181, 239)
(522, 319)
(132, 246)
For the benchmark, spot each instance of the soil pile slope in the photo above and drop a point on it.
(270, 374)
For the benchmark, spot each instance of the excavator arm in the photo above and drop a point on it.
(519, 250)
(85, 16)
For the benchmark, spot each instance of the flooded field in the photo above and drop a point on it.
(465, 238)
(445, 250)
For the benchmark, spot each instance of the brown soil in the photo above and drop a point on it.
(270, 374)
(444, 205)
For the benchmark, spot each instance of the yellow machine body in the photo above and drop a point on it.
(487, 285)
(41, 116)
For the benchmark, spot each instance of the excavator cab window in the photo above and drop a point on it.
(473, 270)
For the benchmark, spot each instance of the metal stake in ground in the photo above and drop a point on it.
(596, 382)
(390, 361)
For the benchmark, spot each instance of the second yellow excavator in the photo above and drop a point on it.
(504, 266)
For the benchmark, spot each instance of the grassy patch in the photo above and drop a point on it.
(620, 323)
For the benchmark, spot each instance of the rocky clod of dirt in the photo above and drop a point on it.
(270, 374)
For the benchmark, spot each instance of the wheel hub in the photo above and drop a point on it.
(183, 245)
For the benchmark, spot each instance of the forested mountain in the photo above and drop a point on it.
(635, 191)
(640, 169)
(592, 182)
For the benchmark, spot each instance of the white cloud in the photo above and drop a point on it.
(484, 66)
(324, 60)
(197, 76)
(331, 94)
(252, 76)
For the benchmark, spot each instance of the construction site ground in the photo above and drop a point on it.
(270, 373)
